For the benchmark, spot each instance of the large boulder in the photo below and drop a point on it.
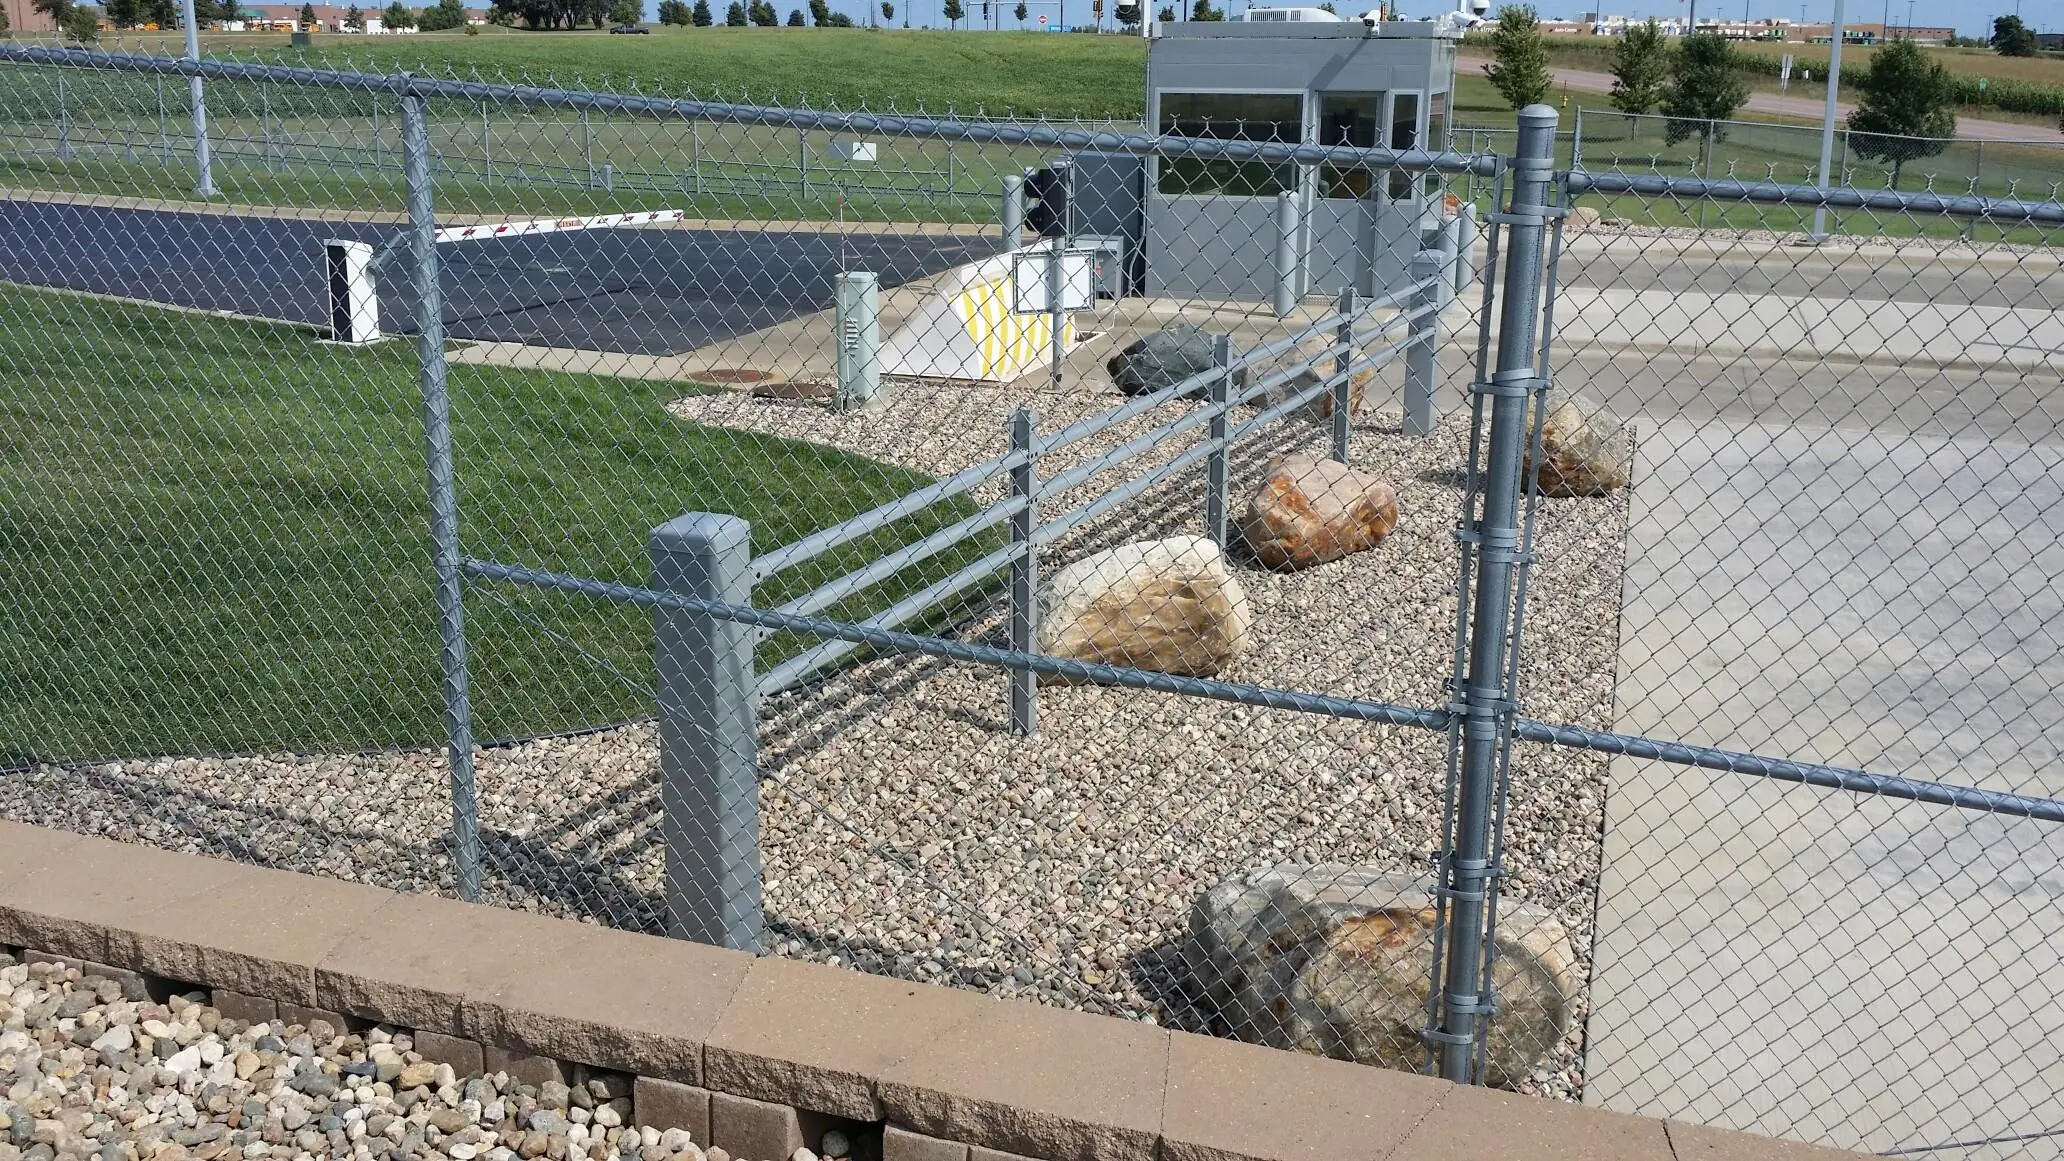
(1312, 359)
(1336, 961)
(1309, 510)
(1167, 605)
(1162, 359)
(1585, 449)
(1579, 219)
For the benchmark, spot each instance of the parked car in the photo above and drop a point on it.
(630, 30)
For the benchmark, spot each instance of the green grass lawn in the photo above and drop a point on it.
(213, 534)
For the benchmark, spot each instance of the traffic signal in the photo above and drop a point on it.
(985, 11)
(1096, 9)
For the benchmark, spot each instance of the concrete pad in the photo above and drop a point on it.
(1891, 333)
(1829, 967)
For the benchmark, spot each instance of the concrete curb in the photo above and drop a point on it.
(760, 1050)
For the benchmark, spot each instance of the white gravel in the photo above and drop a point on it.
(87, 1071)
(905, 830)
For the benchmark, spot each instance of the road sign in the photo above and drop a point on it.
(1042, 20)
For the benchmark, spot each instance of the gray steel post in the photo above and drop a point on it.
(1422, 352)
(802, 142)
(1286, 253)
(265, 125)
(1056, 301)
(64, 121)
(377, 147)
(1827, 124)
(1487, 718)
(858, 319)
(164, 131)
(708, 740)
(1013, 210)
(444, 502)
(695, 153)
(1024, 571)
(1447, 245)
(1217, 467)
(1465, 249)
(204, 180)
(1343, 387)
(486, 144)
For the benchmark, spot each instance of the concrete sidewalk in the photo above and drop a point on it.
(1827, 966)
(1793, 327)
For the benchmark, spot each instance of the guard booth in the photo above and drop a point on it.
(1211, 228)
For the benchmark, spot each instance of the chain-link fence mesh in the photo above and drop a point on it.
(1023, 556)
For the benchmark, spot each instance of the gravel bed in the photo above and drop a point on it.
(906, 831)
(87, 1071)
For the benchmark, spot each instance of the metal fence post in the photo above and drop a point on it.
(587, 136)
(1486, 716)
(1465, 248)
(1013, 210)
(1343, 387)
(1286, 254)
(376, 138)
(802, 151)
(1217, 466)
(708, 739)
(1024, 570)
(164, 132)
(695, 154)
(64, 121)
(265, 125)
(444, 503)
(486, 144)
(1422, 352)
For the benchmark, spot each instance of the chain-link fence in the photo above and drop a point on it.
(1048, 582)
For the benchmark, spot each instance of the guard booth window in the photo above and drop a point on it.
(1348, 119)
(1229, 117)
(1404, 134)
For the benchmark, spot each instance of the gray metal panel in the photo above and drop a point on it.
(1209, 247)
(1108, 200)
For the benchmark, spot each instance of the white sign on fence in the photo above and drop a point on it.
(1784, 72)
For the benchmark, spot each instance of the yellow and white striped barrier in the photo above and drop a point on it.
(967, 330)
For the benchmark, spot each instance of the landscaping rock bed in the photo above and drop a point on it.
(905, 830)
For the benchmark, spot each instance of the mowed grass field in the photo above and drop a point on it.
(213, 535)
(998, 74)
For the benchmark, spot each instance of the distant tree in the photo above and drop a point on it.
(1328, 7)
(953, 11)
(700, 15)
(443, 16)
(2010, 37)
(354, 20)
(1202, 10)
(888, 12)
(1519, 57)
(1128, 15)
(795, 18)
(81, 24)
(1021, 12)
(123, 13)
(627, 12)
(1166, 15)
(5, 23)
(56, 10)
(1639, 68)
(1704, 89)
(763, 14)
(671, 13)
(397, 15)
(820, 13)
(1905, 107)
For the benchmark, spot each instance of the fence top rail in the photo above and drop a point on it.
(886, 125)
(1583, 181)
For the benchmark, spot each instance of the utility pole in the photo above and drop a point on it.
(197, 95)
(1827, 126)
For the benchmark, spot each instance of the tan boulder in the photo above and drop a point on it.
(1309, 510)
(1337, 961)
(1313, 359)
(1172, 606)
(1579, 219)
(1585, 449)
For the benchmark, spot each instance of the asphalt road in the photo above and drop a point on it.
(644, 291)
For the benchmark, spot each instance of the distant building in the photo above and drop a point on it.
(1871, 34)
(23, 18)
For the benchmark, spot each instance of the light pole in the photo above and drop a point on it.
(205, 186)
(1827, 126)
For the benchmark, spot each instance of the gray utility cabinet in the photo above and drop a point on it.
(1211, 226)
